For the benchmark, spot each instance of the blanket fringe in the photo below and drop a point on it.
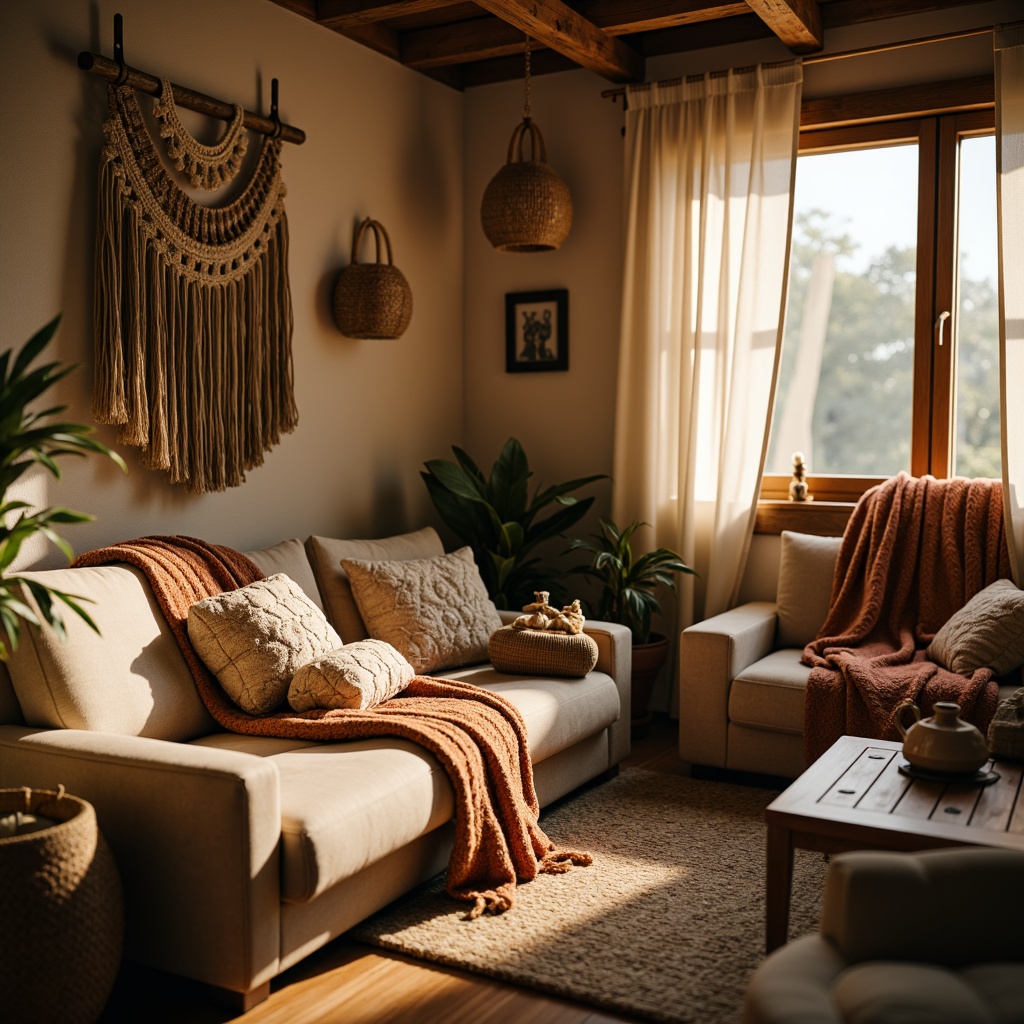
(557, 862)
(490, 901)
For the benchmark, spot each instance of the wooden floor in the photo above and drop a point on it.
(350, 983)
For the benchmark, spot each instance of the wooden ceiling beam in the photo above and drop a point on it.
(491, 38)
(342, 14)
(623, 17)
(797, 23)
(560, 28)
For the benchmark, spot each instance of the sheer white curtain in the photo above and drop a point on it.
(1009, 71)
(709, 174)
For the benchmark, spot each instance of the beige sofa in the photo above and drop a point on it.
(741, 681)
(240, 855)
(933, 936)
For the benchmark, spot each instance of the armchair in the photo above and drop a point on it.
(930, 937)
(741, 682)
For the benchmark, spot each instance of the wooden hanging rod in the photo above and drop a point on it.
(822, 58)
(118, 71)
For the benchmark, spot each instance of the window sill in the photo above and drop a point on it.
(822, 518)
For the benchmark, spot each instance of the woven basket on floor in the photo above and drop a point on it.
(1006, 730)
(61, 917)
(535, 652)
(526, 207)
(372, 300)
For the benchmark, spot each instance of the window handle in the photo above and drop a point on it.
(940, 325)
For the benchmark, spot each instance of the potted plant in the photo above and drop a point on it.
(628, 596)
(29, 438)
(499, 520)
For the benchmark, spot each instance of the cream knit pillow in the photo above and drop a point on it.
(253, 639)
(434, 611)
(359, 675)
(988, 632)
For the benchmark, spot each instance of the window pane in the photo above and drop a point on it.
(976, 449)
(845, 390)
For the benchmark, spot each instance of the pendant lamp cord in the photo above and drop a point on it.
(526, 101)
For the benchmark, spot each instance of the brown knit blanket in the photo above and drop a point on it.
(479, 737)
(915, 551)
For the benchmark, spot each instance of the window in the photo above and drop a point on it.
(890, 353)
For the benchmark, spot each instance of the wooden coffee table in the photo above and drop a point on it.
(854, 798)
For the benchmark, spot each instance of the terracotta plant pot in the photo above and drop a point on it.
(647, 662)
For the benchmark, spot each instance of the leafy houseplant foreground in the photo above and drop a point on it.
(498, 519)
(28, 439)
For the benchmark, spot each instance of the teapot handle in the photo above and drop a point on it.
(898, 715)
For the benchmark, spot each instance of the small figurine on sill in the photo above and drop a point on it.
(798, 488)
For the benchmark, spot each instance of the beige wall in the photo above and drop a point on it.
(382, 141)
(563, 419)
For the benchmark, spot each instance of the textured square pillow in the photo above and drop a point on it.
(435, 611)
(253, 639)
(359, 675)
(806, 567)
(988, 632)
(325, 556)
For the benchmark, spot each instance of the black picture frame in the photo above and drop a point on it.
(537, 331)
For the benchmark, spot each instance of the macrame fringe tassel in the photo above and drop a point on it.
(196, 372)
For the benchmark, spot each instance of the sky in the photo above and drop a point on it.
(872, 193)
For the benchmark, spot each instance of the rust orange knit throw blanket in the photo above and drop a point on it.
(478, 737)
(915, 551)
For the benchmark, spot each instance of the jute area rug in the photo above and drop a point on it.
(666, 925)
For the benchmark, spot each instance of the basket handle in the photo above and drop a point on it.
(538, 152)
(378, 230)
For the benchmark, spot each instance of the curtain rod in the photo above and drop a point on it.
(118, 71)
(822, 58)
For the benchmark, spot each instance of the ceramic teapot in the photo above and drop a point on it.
(943, 743)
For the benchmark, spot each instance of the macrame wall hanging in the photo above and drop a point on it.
(193, 318)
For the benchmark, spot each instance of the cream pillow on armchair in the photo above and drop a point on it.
(434, 611)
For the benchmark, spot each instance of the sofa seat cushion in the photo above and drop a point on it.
(557, 712)
(344, 806)
(770, 693)
(888, 990)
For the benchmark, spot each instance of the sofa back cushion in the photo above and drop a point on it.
(326, 553)
(289, 557)
(806, 567)
(131, 680)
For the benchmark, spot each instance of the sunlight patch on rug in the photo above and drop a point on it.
(667, 923)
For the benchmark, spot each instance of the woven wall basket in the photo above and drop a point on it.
(526, 207)
(372, 300)
(61, 916)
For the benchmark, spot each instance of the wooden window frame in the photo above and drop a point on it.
(935, 116)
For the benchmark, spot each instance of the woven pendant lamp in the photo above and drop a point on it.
(526, 207)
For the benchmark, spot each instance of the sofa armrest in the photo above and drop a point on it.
(615, 657)
(195, 834)
(954, 907)
(711, 654)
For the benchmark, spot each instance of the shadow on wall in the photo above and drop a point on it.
(424, 195)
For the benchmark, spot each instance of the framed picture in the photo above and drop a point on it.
(537, 331)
